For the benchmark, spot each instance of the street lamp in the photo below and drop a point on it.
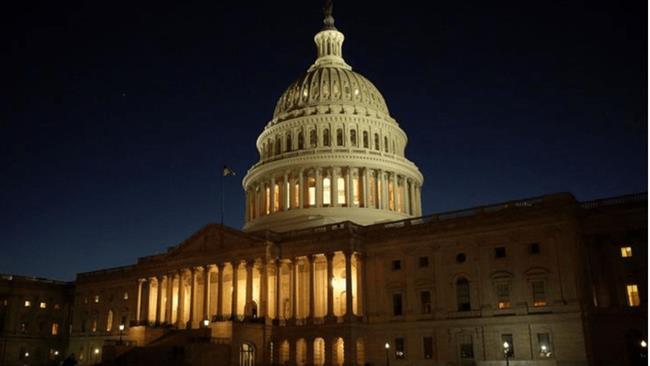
(121, 332)
(387, 346)
(206, 323)
(644, 344)
(506, 352)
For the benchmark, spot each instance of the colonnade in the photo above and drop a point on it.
(319, 350)
(333, 187)
(303, 289)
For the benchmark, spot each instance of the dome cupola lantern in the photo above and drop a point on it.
(331, 152)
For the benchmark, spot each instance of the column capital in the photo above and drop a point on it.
(329, 255)
(220, 266)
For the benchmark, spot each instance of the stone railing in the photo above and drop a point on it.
(611, 201)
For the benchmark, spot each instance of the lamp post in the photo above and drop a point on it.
(644, 349)
(121, 332)
(387, 346)
(506, 352)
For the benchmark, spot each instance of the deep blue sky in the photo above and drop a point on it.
(120, 115)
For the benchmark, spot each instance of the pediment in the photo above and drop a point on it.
(214, 238)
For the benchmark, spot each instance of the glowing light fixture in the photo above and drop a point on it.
(644, 344)
(96, 351)
(26, 354)
(387, 345)
(206, 323)
(121, 327)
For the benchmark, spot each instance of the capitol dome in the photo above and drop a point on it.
(331, 152)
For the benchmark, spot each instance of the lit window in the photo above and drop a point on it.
(544, 342)
(311, 191)
(287, 190)
(126, 295)
(55, 328)
(276, 197)
(626, 252)
(296, 195)
(427, 347)
(267, 200)
(96, 299)
(327, 191)
(340, 187)
(391, 195)
(539, 293)
(633, 295)
(399, 349)
(42, 305)
(94, 326)
(510, 351)
(28, 303)
(503, 294)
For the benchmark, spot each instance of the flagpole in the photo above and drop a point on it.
(222, 190)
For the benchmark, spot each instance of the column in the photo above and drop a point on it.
(312, 273)
(395, 188)
(301, 186)
(411, 198)
(170, 298)
(272, 207)
(361, 302)
(330, 289)
(310, 351)
(334, 184)
(293, 269)
(264, 291)
(286, 193)
(233, 303)
(192, 296)
(145, 301)
(181, 300)
(206, 292)
(220, 291)
(348, 186)
(277, 289)
(364, 199)
(319, 187)
(349, 312)
(249, 282)
(138, 315)
(159, 303)
(381, 185)
(418, 201)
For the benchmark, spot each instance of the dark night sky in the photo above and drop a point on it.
(120, 115)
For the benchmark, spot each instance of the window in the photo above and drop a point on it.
(466, 347)
(365, 139)
(55, 328)
(626, 252)
(510, 351)
(544, 343)
(499, 252)
(539, 293)
(311, 192)
(423, 262)
(353, 138)
(96, 299)
(327, 191)
(313, 140)
(376, 141)
(126, 295)
(503, 295)
(289, 144)
(339, 137)
(42, 305)
(399, 349)
(23, 327)
(278, 145)
(247, 355)
(301, 140)
(396, 265)
(109, 321)
(340, 187)
(385, 144)
(267, 200)
(533, 248)
(427, 347)
(296, 195)
(276, 197)
(462, 294)
(397, 304)
(57, 307)
(94, 329)
(326, 137)
(28, 303)
(633, 295)
(460, 258)
(425, 302)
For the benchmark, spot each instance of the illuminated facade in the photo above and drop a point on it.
(337, 266)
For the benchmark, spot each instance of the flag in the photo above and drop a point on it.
(227, 171)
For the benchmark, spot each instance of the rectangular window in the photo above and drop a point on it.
(55, 328)
(287, 192)
(399, 200)
(503, 295)
(626, 252)
(391, 196)
(466, 346)
(42, 305)
(327, 191)
(296, 195)
(267, 200)
(425, 302)
(96, 299)
(311, 192)
(510, 350)
(380, 193)
(539, 293)
(544, 343)
(427, 347)
(499, 252)
(340, 187)
(28, 303)
(396, 265)
(423, 262)
(633, 298)
(533, 248)
(399, 349)
(397, 304)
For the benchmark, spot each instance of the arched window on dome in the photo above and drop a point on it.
(263, 152)
(339, 137)
(385, 143)
(289, 145)
(377, 141)
(365, 139)
(278, 145)
(301, 140)
(353, 138)
(313, 139)
(326, 137)
(269, 146)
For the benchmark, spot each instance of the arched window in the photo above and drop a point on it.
(353, 138)
(377, 141)
(385, 144)
(301, 140)
(326, 137)
(339, 137)
(365, 139)
(278, 145)
(247, 355)
(109, 321)
(319, 352)
(284, 352)
(339, 355)
(301, 352)
(313, 140)
(462, 294)
(289, 145)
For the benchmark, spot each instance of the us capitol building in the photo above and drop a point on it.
(336, 264)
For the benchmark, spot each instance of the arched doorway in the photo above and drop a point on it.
(247, 355)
